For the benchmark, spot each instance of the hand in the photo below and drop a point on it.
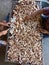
(44, 31)
(3, 24)
(5, 32)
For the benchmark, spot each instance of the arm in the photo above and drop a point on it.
(37, 12)
(3, 32)
(44, 31)
(40, 11)
(4, 24)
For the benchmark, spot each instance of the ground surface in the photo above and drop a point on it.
(5, 8)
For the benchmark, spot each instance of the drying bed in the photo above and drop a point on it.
(25, 40)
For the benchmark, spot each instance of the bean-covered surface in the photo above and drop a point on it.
(25, 40)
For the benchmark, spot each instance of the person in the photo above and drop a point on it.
(4, 27)
(44, 11)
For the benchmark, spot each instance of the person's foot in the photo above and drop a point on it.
(3, 42)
